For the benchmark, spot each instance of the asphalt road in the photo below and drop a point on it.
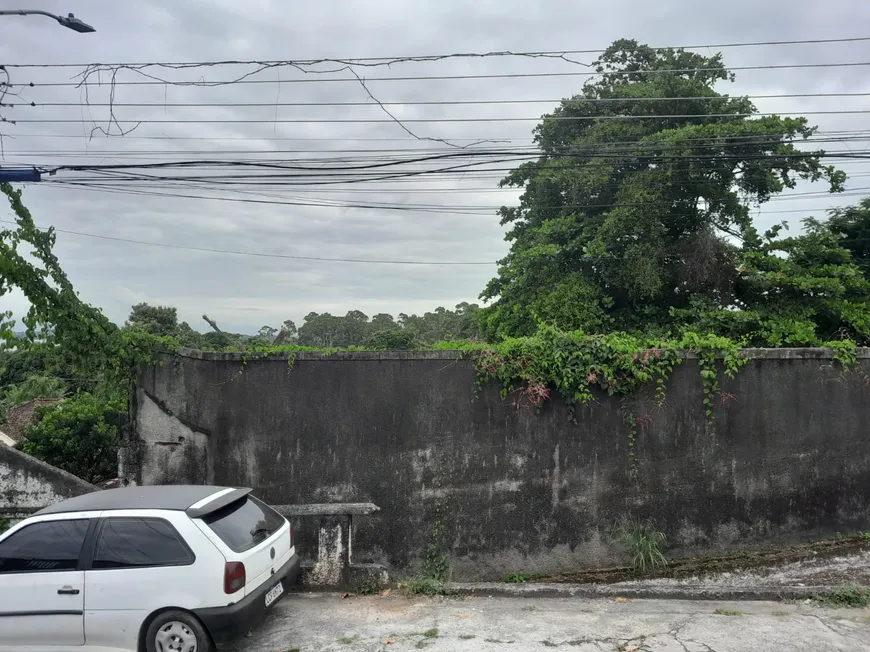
(327, 622)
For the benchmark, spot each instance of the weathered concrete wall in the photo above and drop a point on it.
(28, 484)
(787, 459)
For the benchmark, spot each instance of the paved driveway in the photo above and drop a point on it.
(324, 623)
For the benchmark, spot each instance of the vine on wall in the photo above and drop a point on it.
(620, 364)
(578, 364)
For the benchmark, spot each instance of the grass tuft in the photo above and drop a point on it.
(642, 542)
(847, 596)
(368, 588)
(425, 586)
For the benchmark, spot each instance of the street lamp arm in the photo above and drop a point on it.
(27, 12)
(69, 21)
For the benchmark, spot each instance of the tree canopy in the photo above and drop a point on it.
(636, 215)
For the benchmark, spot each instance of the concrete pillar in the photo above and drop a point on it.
(333, 551)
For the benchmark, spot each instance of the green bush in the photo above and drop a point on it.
(395, 339)
(79, 435)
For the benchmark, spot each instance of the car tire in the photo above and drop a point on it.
(176, 629)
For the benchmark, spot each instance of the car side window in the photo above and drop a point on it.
(139, 543)
(44, 547)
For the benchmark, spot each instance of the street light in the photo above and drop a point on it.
(69, 21)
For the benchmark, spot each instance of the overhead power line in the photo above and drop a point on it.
(310, 80)
(412, 208)
(571, 118)
(454, 55)
(571, 100)
(341, 155)
(273, 138)
(259, 254)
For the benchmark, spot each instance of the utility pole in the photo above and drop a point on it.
(69, 21)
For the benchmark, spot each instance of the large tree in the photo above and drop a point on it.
(157, 320)
(640, 200)
(851, 225)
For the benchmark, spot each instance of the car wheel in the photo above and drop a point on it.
(177, 631)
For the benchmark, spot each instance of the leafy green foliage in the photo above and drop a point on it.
(79, 435)
(157, 320)
(368, 587)
(632, 224)
(436, 565)
(850, 596)
(32, 387)
(851, 226)
(4, 524)
(800, 291)
(425, 586)
(577, 364)
(73, 335)
(391, 339)
(521, 578)
(642, 542)
(355, 329)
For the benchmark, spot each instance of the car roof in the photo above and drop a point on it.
(170, 497)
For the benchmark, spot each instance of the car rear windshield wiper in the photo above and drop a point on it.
(261, 530)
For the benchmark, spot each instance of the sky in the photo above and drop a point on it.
(445, 220)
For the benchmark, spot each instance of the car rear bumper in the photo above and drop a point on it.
(225, 624)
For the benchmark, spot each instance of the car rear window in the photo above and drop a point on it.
(244, 524)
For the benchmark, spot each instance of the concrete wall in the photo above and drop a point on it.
(28, 484)
(788, 459)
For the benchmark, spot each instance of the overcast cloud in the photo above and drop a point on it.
(244, 292)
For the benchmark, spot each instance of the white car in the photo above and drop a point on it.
(146, 569)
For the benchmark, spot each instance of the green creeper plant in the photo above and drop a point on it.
(578, 364)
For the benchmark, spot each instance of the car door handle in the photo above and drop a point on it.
(67, 590)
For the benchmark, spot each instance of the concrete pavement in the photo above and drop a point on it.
(328, 623)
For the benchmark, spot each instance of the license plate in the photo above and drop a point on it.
(274, 593)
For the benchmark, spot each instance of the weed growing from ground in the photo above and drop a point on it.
(728, 612)
(521, 578)
(425, 586)
(368, 588)
(846, 596)
(642, 542)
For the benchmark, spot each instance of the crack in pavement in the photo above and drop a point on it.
(837, 631)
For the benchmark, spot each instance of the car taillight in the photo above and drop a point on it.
(234, 576)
